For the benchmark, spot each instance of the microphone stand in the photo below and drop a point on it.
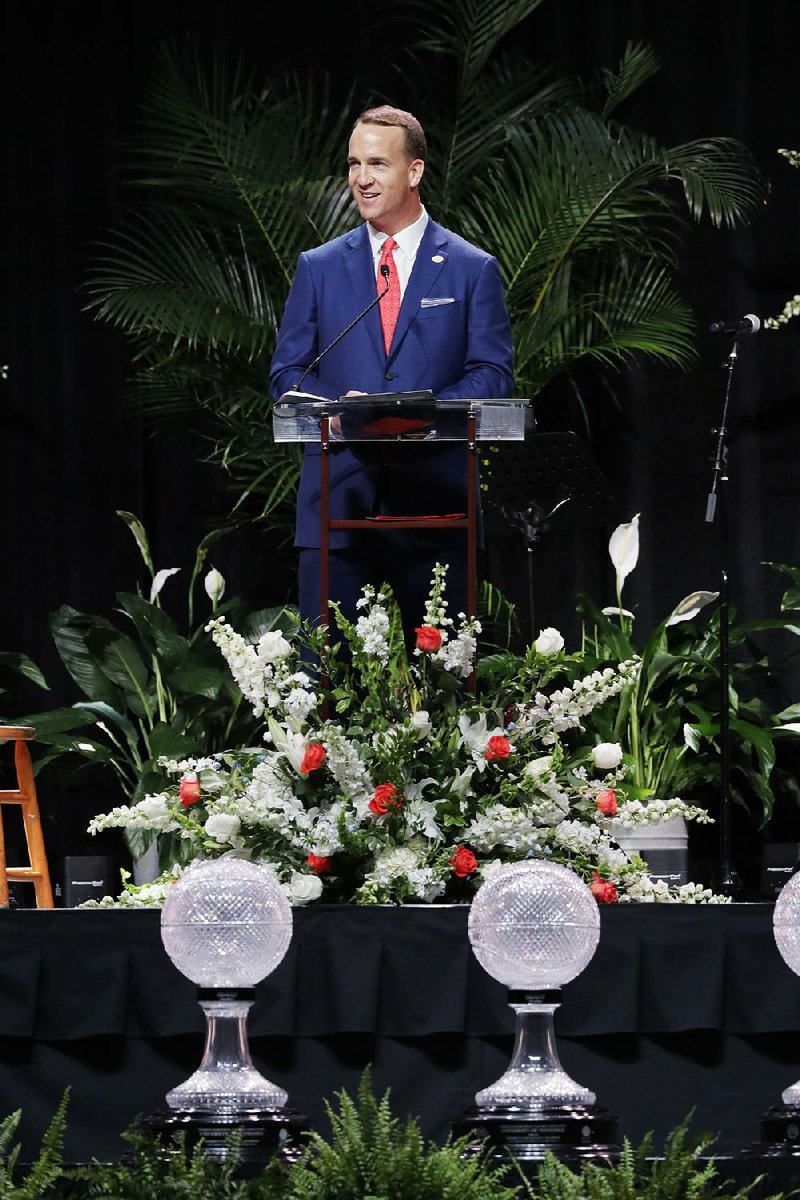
(729, 883)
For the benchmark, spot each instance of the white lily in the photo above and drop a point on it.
(690, 606)
(214, 583)
(159, 579)
(623, 547)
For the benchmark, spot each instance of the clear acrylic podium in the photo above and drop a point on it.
(398, 417)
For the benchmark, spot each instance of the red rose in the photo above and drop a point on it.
(189, 791)
(321, 864)
(428, 638)
(313, 758)
(385, 794)
(603, 891)
(463, 862)
(498, 747)
(606, 802)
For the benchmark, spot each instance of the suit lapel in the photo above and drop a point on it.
(358, 261)
(424, 274)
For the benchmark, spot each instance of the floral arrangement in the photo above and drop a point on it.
(393, 783)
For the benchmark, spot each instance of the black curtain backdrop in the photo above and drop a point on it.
(72, 79)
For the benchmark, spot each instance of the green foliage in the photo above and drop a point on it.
(669, 720)
(152, 1172)
(44, 1173)
(681, 1174)
(152, 686)
(584, 214)
(372, 1154)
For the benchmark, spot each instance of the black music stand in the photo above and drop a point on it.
(528, 484)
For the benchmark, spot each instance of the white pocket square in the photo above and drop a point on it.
(435, 301)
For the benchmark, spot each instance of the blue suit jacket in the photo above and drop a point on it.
(458, 350)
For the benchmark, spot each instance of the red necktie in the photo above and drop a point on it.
(390, 304)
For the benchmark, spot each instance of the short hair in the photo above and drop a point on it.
(386, 114)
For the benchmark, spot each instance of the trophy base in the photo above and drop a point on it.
(261, 1134)
(572, 1132)
(780, 1133)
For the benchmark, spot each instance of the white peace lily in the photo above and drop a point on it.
(690, 606)
(159, 579)
(613, 610)
(214, 583)
(607, 755)
(549, 641)
(623, 547)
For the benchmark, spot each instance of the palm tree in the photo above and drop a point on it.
(584, 214)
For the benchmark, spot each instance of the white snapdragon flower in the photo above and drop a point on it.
(373, 631)
(549, 641)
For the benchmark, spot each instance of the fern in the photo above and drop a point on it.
(46, 1170)
(682, 1174)
(372, 1155)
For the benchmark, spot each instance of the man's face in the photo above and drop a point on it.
(382, 179)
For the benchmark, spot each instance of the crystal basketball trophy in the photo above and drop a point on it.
(226, 925)
(534, 926)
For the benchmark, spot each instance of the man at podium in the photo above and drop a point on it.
(441, 324)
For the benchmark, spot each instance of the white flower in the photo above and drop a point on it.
(214, 584)
(538, 767)
(549, 641)
(393, 862)
(690, 606)
(302, 888)
(623, 547)
(475, 736)
(159, 579)
(222, 827)
(273, 646)
(421, 724)
(607, 755)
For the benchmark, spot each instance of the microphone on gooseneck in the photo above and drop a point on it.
(748, 324)
(338, 338)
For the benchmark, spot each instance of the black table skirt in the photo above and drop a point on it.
(681, 1008)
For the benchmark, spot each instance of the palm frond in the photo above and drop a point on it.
(638, 64)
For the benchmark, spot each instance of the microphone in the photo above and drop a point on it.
(748, 324)
(338, 338)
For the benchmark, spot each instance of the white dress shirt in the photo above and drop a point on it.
(404, 253)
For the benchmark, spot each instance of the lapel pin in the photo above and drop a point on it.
(438, 258)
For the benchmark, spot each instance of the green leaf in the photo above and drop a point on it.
(167, 742)
(22, 665)
(140, 536)
(71, 632)
(156, 629)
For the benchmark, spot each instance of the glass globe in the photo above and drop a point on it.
(786, 928)
(226, 924)
(534, 926)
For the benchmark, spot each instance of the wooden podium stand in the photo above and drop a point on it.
(397, 417)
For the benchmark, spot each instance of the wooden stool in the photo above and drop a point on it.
(37, 872)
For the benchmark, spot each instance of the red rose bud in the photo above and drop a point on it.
(384, 796)
(321, 864)
(428, 638)
(313, 758)
(603, 891)
(606, 802)
(498, 747)
(189, 791)
(463, 862)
